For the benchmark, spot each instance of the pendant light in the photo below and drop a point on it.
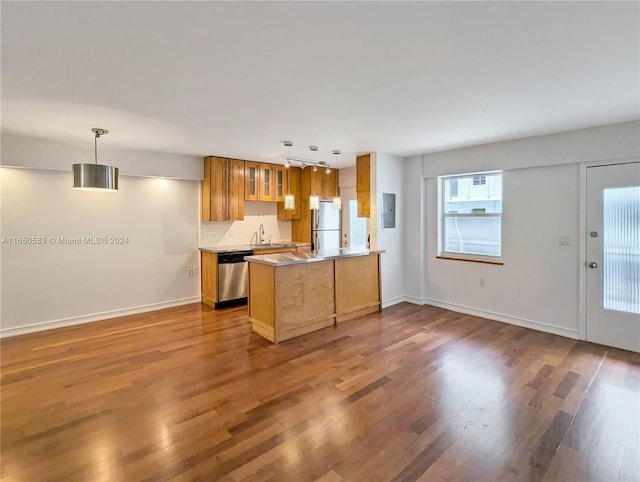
(289, 199)
(314, 200)
(337, 202)
(95, 177)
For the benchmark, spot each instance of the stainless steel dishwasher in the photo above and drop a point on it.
(233, 274)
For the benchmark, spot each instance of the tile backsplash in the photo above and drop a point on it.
(226, 233)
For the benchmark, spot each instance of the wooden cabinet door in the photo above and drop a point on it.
(209, 278)
(214, 189)
(317, 182)
(236, 190)
(280, 182)
(205, 191)
(222, 189)
(293, 186)
(363, 185)
(301, 228)
(330, 183)
(267, 190)
(251, 181)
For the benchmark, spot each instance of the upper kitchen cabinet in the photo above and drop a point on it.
(280, 181)
(319, 183)
(330, 184)
(363, 185)
(267, 188)
(251, 181)
(292, 184)
(264, 182)
(223, 189)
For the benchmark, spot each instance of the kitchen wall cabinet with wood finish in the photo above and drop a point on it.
(251, 181)
(363, 185)
(280, 181)
(223, 189)
(292, 184)
(264, 182)
(320, 183)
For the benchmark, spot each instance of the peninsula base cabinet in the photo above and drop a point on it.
(295, 299)
(209, 278)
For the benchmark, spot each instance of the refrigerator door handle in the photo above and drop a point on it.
(317, 242)
(317, 219)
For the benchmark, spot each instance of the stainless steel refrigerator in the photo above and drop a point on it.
(326, 224)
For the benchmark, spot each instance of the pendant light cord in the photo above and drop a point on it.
(95, 143)
(288, 171)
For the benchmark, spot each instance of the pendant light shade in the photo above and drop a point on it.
(95, 177)
(91, 177)
(314, 202)
(289, 202)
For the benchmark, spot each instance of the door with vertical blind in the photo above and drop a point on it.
(354, 229)
(613, 255)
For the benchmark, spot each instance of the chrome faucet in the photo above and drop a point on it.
(261, 235)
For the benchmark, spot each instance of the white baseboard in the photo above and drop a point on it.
(512, 320)
(78, 320)
(393, 301)
(414, 300)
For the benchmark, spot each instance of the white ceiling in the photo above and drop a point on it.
(238, 78)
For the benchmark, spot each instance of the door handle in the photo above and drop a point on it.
(317, 243)
(593, 265)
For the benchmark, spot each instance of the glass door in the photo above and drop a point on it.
(354, 229)
(613, 255)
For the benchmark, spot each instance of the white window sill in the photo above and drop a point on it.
(472, 258)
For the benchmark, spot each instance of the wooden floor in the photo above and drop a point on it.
(411, 393)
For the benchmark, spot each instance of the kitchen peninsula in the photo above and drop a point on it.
(291, 294)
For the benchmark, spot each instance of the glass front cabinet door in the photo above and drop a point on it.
(251, 181)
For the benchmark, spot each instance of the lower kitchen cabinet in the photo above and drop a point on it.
(209, 278)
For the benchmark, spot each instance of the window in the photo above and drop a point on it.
(453, 187)
(471, 217)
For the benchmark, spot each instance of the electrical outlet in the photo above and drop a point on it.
(481, 281)
(190, 272)
(196, 271)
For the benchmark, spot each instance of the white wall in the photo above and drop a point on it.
(538, 284)
(414, 219)
(230, 233)
(51, 285)
(347, 177)
(613, 141)
(31, 152)
(390, 179)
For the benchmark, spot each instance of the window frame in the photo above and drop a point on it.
(442, 215)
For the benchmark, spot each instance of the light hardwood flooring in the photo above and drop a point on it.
(409, 393)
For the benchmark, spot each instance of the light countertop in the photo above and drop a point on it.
(283, 259)
(251, 247)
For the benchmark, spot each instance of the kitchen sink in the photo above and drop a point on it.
(274, 245)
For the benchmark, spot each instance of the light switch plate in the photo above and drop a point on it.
(565, 241)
